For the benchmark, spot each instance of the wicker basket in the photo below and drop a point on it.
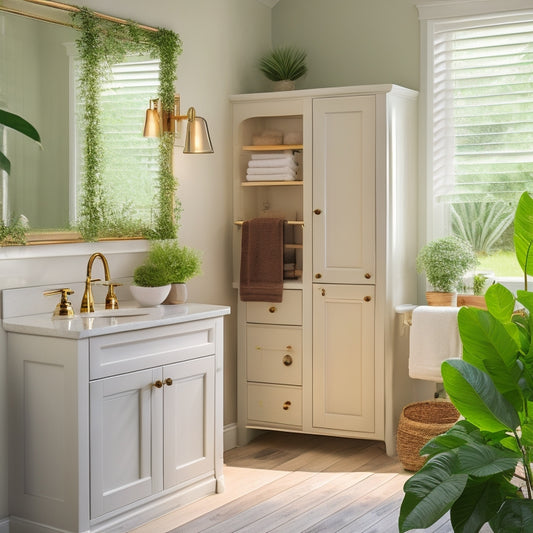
(419, 423)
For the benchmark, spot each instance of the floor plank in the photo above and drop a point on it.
(291, 483)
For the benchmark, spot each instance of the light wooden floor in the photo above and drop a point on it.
(290, 483)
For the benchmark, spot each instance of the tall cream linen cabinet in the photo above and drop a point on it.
(329, 358)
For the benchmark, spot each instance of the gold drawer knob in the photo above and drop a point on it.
(272, 309)
(317, 211)
(367, 298)
(158, 384)
(318, 276)
(287, 360)
(368, 275)
(286, 405)
(168, 381)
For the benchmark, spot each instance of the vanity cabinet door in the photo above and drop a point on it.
(189, 403)
(126, 410)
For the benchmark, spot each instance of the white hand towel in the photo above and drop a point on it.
(270, 177)
(434, 337)
(266, 163)
(271, 170)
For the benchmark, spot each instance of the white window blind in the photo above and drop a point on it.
(482, 109)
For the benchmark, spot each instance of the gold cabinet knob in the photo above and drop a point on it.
(287, 360)
(368, 275)
(286, 405)
(168, 381)
(367, 298)
(318, 276)
(272, 309)
(323, 291)
(158, 384)
(317, 211)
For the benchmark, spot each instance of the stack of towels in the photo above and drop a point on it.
(279, 166)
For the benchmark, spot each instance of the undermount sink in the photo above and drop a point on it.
(110, 313)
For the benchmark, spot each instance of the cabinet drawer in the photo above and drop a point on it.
(274, 354)
(135, 350)
(274, 404)
(289, 311)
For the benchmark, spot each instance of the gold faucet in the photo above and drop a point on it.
(111, 300)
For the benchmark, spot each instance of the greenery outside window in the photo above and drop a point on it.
(477, 87)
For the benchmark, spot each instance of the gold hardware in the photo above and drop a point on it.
(87, 302)
(168, 381)
(367, 298)
(64, 307)
(368, 275)
(287, 360)
(289, 347)
(317, 211)
(272, 309)
(286, 405)
(323, 292)
(318, 276)
(158, 384)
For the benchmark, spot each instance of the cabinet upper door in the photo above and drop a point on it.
(344, 166)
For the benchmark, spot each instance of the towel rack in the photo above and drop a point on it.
(291, 222)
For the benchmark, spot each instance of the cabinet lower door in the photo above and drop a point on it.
(125, 411)
(343, 357)
(189, 420)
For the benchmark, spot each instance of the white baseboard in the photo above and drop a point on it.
(230, 438)
(4, 525)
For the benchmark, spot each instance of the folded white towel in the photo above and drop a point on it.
(287, 161)
(270, 177)
(434, 337)
(271, 155)
(271, 170)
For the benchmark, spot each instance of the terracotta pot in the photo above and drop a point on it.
(177, 295)
(446, 299)
(471, 301)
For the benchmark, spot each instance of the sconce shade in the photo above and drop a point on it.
(197, 139)
(151, 124)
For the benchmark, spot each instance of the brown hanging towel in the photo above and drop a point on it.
(262, 260)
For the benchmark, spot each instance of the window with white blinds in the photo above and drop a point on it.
(131, 161)
(481, 127)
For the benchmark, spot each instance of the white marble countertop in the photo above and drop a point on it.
(129, 317)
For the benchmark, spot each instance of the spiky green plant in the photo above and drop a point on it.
(284, 63)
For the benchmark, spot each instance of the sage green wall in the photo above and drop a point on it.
(351, 42)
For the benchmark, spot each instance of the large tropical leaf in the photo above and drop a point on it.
(523, 233)
(431, 492)
(475, 396)
(10, 120)
(515, 516)
(500, 302)
(463, 432)
(480, 460)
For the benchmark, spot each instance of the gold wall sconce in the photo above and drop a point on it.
(197, 138)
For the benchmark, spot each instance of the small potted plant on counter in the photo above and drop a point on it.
(474, 293)
(150, 285)
(445, 261)
(179, 263)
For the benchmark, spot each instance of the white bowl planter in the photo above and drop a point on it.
(149, 296)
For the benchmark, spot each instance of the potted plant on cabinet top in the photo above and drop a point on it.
(283, 65)
(445, 261)
(150, 285)
(179, 263)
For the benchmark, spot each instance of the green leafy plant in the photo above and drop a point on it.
(150, 275)
(445, 261)
(101, 44)
(13, 233)
(523, 234)
(17, 123)
(179, 262)
(479, 284)
(283, 63)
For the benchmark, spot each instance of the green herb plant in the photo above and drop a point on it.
(283, 63)
(479, 284)
(179, 262)
(480, 470)
(150, 275)
(101, 44)
(445, 261)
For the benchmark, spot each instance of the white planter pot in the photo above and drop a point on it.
(149, 296)
(177, 295)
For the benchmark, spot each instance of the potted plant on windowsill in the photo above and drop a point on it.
(474, 295)
(180, 264)
(444, 262)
